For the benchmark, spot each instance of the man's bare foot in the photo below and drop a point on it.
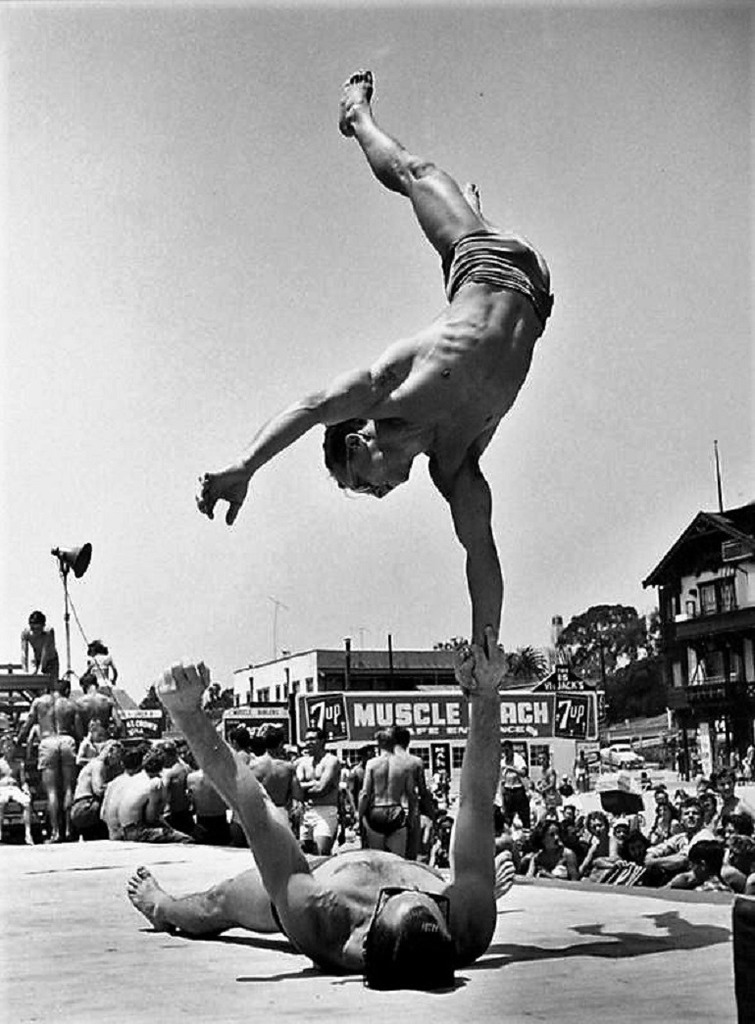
(229, 485)
(28, 840)
(147, 896)
(356, 97)
(472, 195)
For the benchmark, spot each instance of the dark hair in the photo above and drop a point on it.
(709, 852)
(168, 751)
(541, 829)
(239, 736)
(133, 756)
(37, 617)
(724, 773)
(743, 823)
(334, 447)
(691, 801)
(273, 737)
(402, 735)
(97, 647)
(257, 744)
(418, 953)
(596, 816)
(634, 835)
(385, 739)
(319, 733)
(154, 762)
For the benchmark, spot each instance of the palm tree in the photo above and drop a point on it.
(526, 664)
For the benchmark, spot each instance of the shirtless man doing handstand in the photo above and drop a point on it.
(442, 392)
(398, 922)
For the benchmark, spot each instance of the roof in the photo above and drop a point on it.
(375, 661)
(733, 524)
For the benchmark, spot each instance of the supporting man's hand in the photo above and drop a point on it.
(481, 667)
(180, 687)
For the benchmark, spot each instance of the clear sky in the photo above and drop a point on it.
(190, 244)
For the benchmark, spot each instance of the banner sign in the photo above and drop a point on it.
(146, 723)
(256, 716)
(353, 717)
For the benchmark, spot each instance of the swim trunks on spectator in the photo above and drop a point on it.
(487, 257)
(385, 818)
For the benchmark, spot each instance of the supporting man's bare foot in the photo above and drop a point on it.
(355, 99)
(472, 195)
(146, 895)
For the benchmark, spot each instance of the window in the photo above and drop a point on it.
(457, 756)
(424, 753)
(717, 596)
(263, 696)
(309, 685)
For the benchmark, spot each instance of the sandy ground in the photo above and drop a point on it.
(75, 950)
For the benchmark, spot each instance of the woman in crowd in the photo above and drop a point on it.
(666, 817)
(549, 858)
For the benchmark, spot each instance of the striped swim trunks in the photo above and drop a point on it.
(486, 257)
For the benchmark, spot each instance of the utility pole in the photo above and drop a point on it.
(277, 605)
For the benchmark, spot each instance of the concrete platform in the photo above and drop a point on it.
(74, 950)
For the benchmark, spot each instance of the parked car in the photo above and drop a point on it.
(621, 755)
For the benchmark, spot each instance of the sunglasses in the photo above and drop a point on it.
(439, 899)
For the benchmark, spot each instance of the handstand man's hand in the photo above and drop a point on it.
(479, 667)
(180, 688)
(229, 485)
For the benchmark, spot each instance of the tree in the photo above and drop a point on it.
(611, 642)
(526, 664)
(605, 638)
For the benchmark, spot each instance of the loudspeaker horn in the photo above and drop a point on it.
(75, 559)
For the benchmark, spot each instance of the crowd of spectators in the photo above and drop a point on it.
(153, 791)
(700, 840)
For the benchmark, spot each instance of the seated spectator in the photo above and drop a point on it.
(705, 857)
(666, 817)
(141, 805)
(210, 810)
(548, 857)
(669, 858)
(628, 868)
(600, 845)
(441, 844)
(90, 789)
(725, 782)
(709, 804)
(177, 812)
(571, 833)
(92, 743)
(131, 759)
(14, 788)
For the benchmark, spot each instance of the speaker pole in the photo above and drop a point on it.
(66, 616)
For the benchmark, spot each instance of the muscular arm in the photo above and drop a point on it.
(31, 719)
(365, 793)
(469, 499)
(327, 781)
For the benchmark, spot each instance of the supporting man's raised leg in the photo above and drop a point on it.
(239, 902)
(443, 211)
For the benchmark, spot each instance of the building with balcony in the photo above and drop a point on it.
(706, 598)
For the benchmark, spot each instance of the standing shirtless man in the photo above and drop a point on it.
(318, 775)
(60, 734)
(442, 392)
(388, 800)
(398, 922)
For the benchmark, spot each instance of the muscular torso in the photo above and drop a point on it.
(95, 705)
(466, 371)
(392, 779)
(140, 800)
(329, 925)
(308, 769)
(276, 776)
(56, 715)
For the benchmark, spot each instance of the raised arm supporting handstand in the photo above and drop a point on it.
(398, 921)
